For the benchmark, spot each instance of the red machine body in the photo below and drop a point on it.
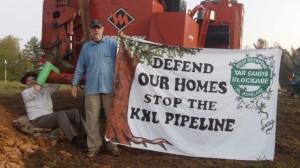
(211, 24)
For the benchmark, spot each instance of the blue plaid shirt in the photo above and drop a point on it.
(97, 61)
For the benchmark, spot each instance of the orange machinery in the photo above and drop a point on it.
(211, 24)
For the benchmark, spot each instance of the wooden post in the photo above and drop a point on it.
(85, 18)
(5, 72)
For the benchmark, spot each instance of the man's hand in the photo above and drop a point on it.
(74, 91)
(121, 34)
(37, 87)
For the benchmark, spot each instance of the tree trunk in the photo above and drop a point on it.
(118, 129)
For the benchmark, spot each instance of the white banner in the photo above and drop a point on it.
(212, 103)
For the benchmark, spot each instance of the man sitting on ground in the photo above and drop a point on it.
(39, 108)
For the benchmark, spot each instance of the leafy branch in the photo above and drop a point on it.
(149, 50)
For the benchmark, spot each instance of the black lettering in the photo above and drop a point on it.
(184, 119)
(179, 84)
(157, 63)
(143, 79)
(193, 123)
(152, 81)
(213, 86)
(185, 67)
(164, 83)
(218, 124)
(154, 120)
(146, 115)
(177, 64)
(177, 101)
(222, 86)
(211, 124)
(203, 104)
(202, 126)
(191, 85)
(196, 66)
(191, 101)
(229, 125)
(134, 113)
(168, 64)
(169, 117)
(147, 98)
(177, 116)
(167, 101)
(208, 68)
(202, 86)
(157, 97)
(212, 105)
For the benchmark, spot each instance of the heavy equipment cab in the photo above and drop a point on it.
(65, 27)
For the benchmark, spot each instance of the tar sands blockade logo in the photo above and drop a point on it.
(250, 77)
(120, 19)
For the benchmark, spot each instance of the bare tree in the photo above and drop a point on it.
(276, 44)
(261, 44)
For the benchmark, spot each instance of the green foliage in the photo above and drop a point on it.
(31, 53)
(18, 62)
(10, 51)
(148, 50)
(10, 88)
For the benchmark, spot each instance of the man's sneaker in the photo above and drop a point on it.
(92, 154)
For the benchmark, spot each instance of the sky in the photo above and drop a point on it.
(272, 20)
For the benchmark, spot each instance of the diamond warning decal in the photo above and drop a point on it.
(120, 19)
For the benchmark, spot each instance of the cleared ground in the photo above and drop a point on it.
(19, 150)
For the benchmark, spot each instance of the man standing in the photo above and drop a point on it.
(97, 60)
(39, 108)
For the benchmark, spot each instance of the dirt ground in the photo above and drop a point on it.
(20, 150)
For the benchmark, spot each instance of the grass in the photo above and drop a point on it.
(10, 88)
(14, 87)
